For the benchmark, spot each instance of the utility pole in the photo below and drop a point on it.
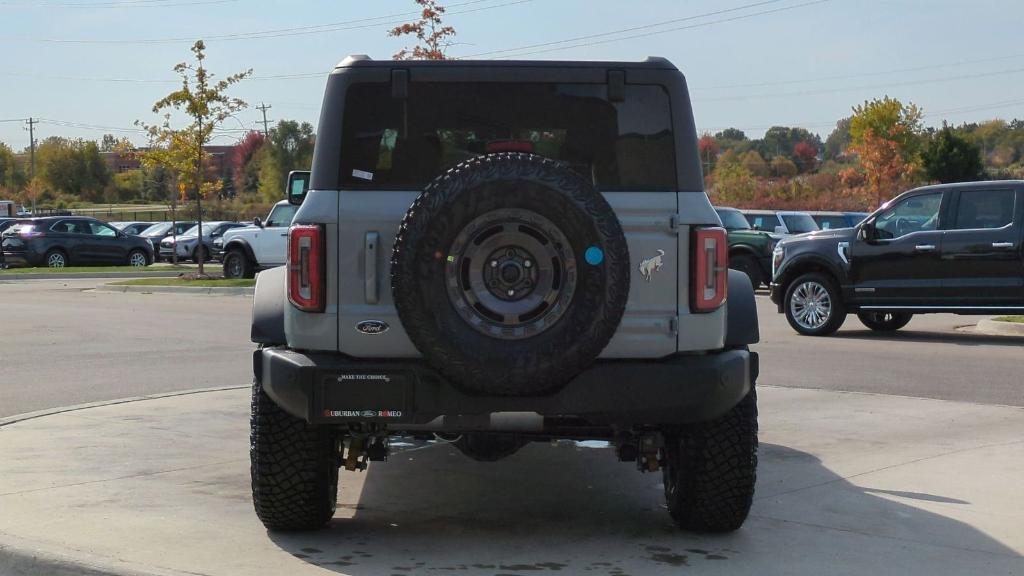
(263, 108)
(32, 154)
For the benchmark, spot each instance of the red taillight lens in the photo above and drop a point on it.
(710, 269)
(306, 275)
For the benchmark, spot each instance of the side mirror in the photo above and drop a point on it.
(298, 186)
(867, 231)
(780, 229)
(257, 222)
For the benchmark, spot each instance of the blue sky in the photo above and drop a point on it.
(806, 64)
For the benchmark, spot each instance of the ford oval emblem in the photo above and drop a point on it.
(372, 327)
(368, 413)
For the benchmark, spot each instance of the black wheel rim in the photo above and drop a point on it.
(510, 274)
(234, 267)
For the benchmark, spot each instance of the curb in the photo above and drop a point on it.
(206, 290)
(91, 275)
(8, 420)
(997, 328)
(20, 557)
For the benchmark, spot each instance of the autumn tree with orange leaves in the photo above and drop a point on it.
(433, 36)
(885, 134)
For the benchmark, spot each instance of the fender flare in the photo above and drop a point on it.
(240, 243)
(268, 307)
(741, 312)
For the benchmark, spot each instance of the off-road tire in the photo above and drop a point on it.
(484, 447)
(710, 470)
(539, 363)
(294, 467)
(884, 321)
(245, 268)
(838, 313)
(748, 265)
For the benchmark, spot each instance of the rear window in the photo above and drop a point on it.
(763, 222)
(404, 144)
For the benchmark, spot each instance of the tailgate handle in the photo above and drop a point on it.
(370, 246)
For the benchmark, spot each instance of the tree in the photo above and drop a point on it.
(206, 104)
(11, 175)
(430, 31)
(838, 140)
(125, 186)
(733, 184)
(709, 149)
(805, 156)
(781, 140)
(952, 158)
(754, 163)
(886, 135)
(783, 167)
(243, 167)
(888, 118)
(109, 143)
(72, 167)
(290, 147)
(734, 134)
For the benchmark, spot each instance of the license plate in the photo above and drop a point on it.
(378, 396)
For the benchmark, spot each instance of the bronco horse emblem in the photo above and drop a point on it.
(651, 265)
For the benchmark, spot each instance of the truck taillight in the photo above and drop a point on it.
(306, 274)
(710, 275)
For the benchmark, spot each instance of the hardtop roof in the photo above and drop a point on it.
(364, 61)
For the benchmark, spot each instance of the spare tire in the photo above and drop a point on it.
(510, 274)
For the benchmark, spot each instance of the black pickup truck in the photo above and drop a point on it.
(953, 248)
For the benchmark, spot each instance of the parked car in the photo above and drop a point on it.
(188, 246)
(781, 221)
(950, 248)
(157, 232)
(61, 241)
(750, 251)
(262, 245)
(833, 220)
(131, 228)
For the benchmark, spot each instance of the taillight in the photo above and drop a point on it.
(306, 275)
(710, 275)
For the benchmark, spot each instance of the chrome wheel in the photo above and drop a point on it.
(137, 259)
(810, 305)
(56, 260)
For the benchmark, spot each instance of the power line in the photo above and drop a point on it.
(657, 32)
(866, 87)
(358, 24)
(623, 30)
(861, 75)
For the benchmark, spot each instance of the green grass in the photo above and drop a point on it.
(221, 283)
(1017, 319)
(88, 269)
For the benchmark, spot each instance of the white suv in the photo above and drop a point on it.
(260, 246)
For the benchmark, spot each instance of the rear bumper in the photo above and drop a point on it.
(335, 389)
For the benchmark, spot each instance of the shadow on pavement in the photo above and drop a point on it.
(960, 337)
(579, 511)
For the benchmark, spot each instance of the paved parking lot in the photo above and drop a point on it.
(849, 483)
(67, 345)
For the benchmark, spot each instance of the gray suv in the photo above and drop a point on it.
(500, 253)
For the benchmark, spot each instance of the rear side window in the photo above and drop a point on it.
(799, 223)
(831, 222)
(763, 222)
(404, 144)
(984, 209)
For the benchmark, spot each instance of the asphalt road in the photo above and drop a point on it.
(61, 344)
